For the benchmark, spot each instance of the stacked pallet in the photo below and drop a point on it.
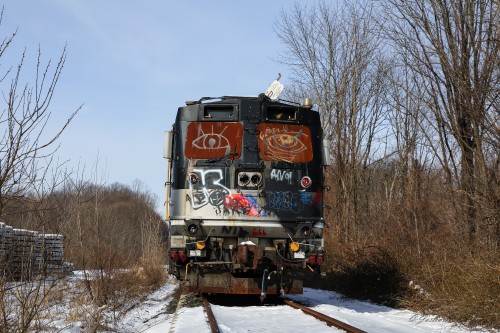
(49, 251)
(21, 253)
(25, 254)
(5, 241)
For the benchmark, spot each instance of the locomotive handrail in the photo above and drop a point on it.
(250, 165)
(220, 158)
(206, 263)
(202, 163)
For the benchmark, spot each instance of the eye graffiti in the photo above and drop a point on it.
(290, 143)
(284, 145)
(213, 140)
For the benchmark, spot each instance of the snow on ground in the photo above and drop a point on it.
(366, 316)
(256, 319)
(374, 318)
(151, 315)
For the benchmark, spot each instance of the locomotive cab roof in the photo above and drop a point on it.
(207, 100)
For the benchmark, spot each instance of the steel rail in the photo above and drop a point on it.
(210, 315)
(328, 320)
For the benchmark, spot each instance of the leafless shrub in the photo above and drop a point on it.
(29, 173)
(117, 239)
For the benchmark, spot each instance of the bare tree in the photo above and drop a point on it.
(29, 171)
(454, 49)
(27, 147)
(335, 57)
(409, 94)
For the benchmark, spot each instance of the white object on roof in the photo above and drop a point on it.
(274, 90)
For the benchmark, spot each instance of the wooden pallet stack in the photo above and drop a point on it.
(25, 254)
(21, 252)
(5, 244)
(49, 252)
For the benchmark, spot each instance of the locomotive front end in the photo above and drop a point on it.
(245, 195)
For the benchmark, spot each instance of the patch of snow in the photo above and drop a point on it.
(150, 315)
(187, 320)
(375, 318)
(247, 243)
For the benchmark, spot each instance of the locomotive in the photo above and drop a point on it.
(245, 195)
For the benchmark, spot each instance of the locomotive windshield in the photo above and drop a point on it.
(213, 140)
(284, 142)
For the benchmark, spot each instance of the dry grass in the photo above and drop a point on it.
(114, 292)
(434, 271)
(119, 287)
(466, 291)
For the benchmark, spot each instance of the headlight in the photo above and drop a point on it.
(249, 179)
(243, 179)
(256, 179)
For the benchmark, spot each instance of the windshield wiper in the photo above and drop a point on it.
(226, 156)
(278, 158)
(223, 157)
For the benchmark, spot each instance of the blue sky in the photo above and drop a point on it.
(133, 63)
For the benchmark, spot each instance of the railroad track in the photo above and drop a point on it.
(212, 322)
(328, 320)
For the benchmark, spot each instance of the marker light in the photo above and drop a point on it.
(192, 229)
(174, 255)
(306, 231)
(193, 178)
(305, 182)
(200, 245)
(294, 246)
